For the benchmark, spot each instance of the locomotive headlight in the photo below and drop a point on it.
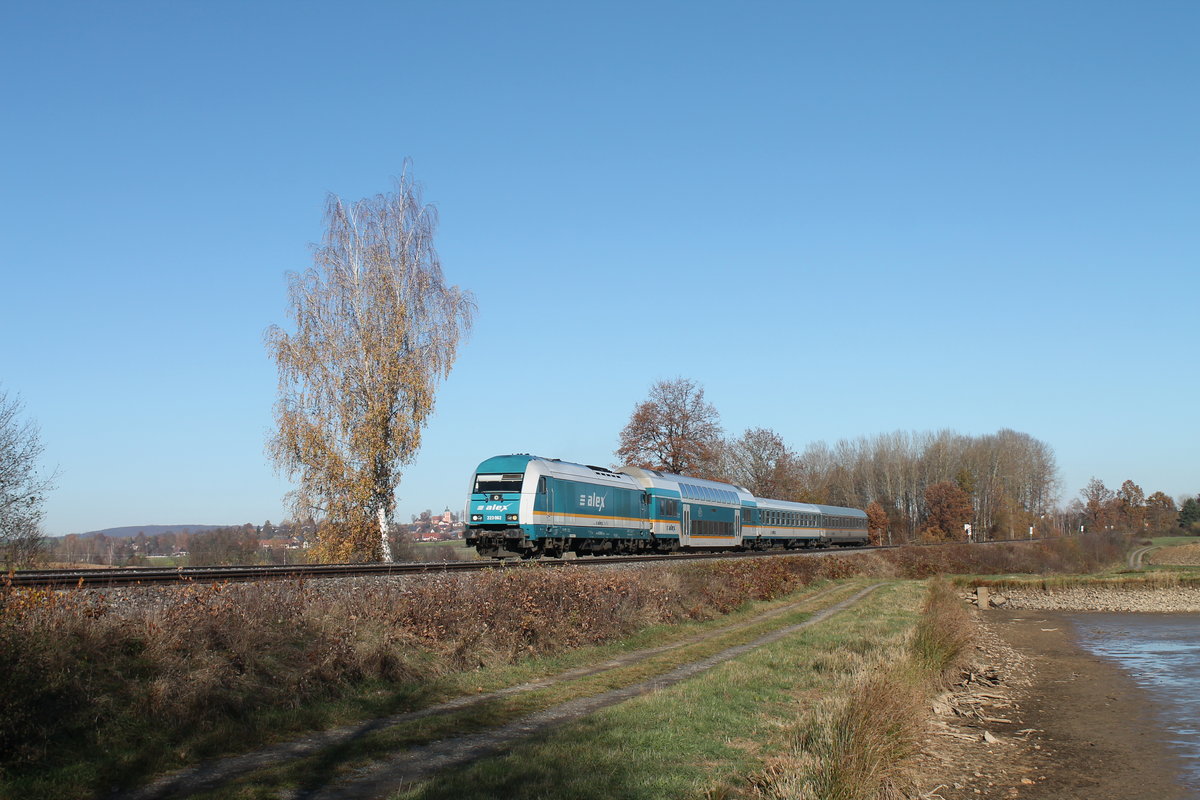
(477, 518)
(496, 497)
(511, 517)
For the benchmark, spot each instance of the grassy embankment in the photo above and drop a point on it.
(100, 693)
(831, 712)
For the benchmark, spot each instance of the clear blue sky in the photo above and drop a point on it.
(840, 218)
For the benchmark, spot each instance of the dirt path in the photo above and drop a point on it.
(1063, 724)
(215, 773)
(420, 762)
(1136, 556)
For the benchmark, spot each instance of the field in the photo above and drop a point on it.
(143, 683)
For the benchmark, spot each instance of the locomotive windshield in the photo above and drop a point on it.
(508, 482)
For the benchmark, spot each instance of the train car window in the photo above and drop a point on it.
(541, 485)
(508, 482)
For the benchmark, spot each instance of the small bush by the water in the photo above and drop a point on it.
(944, 630)
(854, 745)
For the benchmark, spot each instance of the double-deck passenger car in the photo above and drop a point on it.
(526, 506)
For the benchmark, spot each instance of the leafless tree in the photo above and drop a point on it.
(674, 430)
(23, 487)
(761, 461)
(1010, 477)
(376, 329)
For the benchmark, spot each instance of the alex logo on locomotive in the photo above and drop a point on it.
(595, 501)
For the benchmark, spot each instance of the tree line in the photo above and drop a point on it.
(1129, 509)
(914, 485)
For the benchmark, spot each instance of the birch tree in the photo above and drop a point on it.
(375, 329)
(23, 487)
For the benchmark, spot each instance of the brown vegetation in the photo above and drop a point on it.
(376, 329)
(169, 674)
(949, 512)
(675, 430)
(856, 743)
(1128, 509)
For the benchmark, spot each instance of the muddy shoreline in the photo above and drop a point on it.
(1099, 735)
(1075, 725)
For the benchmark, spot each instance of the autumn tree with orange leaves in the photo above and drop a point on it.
(375, 330)
(877, 522)
(948, 509)
(675, 430)
(1161, 513)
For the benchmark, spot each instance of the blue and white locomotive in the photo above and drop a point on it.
(525, 506)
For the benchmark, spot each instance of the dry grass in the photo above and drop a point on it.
(1159, 579)
(943, 632)
(854, 744)
(134, 689)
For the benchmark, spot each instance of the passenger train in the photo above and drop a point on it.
(523, 506)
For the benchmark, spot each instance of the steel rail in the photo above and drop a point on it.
(131, 576)
(134, 576)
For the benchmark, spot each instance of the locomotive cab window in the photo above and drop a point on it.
(508, 482)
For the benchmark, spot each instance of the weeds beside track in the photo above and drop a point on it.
(100, 695)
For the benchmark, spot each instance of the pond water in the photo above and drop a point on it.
(1162, 654)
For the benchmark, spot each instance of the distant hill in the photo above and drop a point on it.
(129, 531)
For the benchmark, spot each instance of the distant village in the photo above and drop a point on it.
(268, 543)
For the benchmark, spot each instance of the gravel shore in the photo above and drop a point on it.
(1166, 600)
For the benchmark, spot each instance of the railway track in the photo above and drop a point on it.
(133, 576)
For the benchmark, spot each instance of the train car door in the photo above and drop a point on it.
(547, 486)
(685, 531)
(737, 526)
